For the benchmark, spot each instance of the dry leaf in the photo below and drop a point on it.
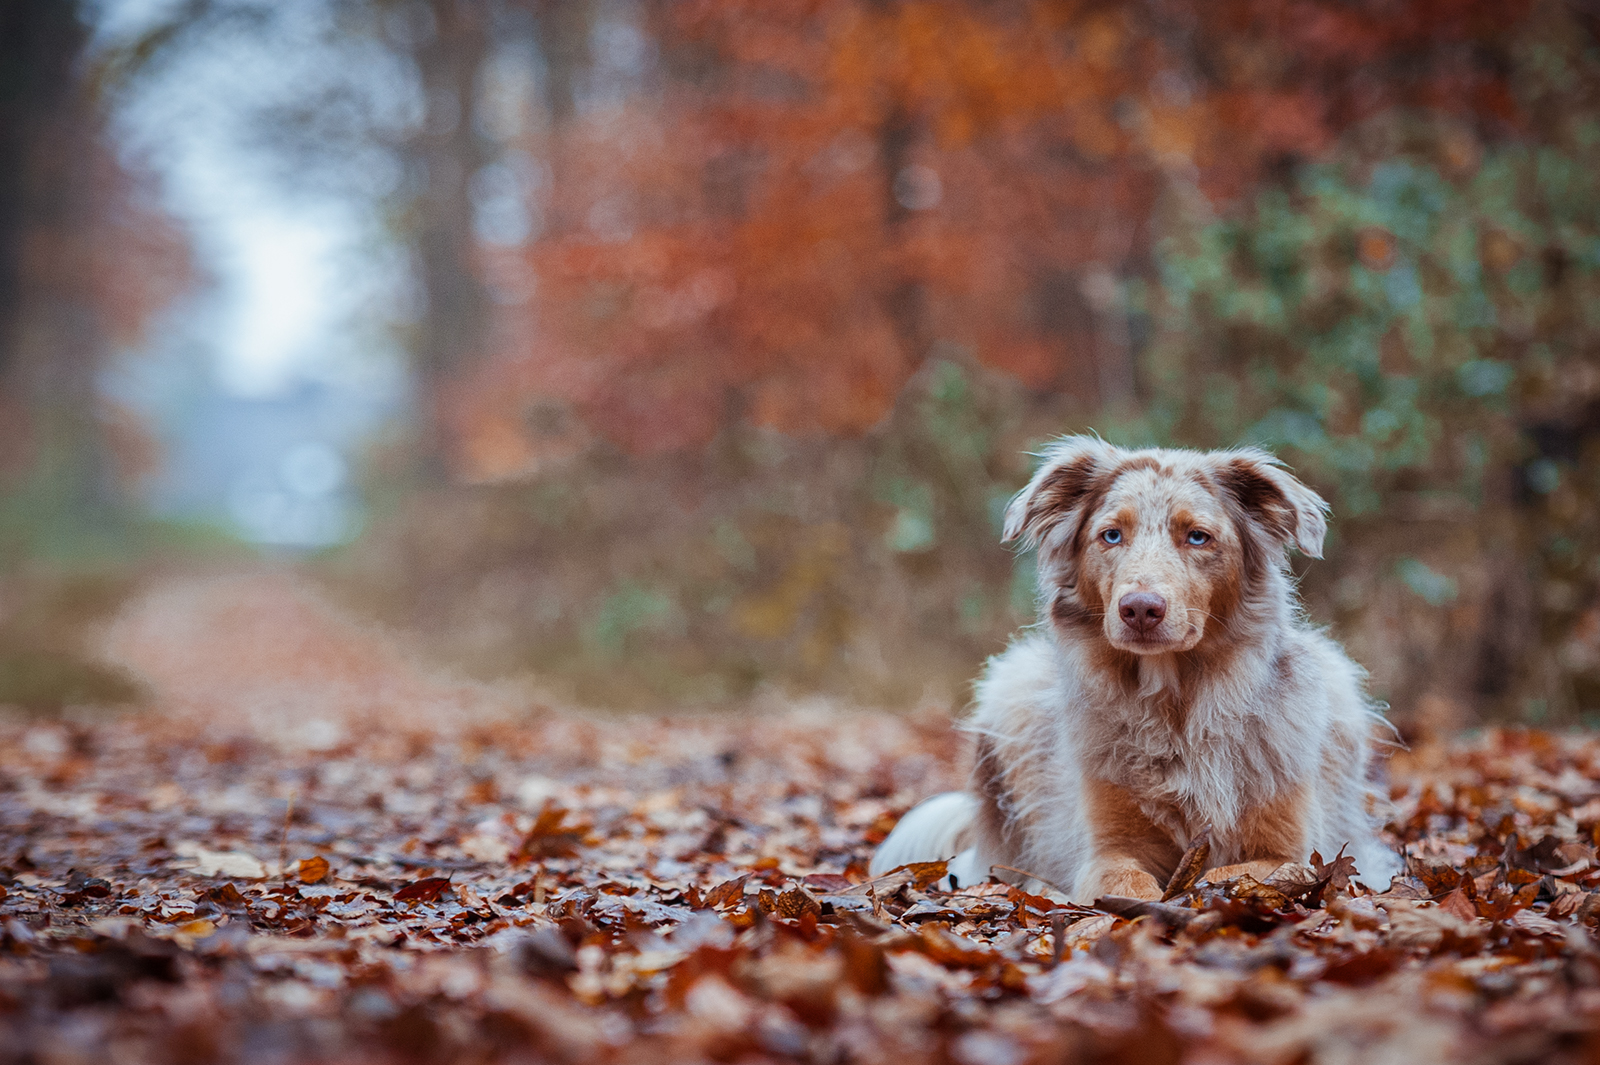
(1191, 866)
(550, 836)
(795, 903)
(238, 864)
(1248, 888)
(726, 893)
(1414, 926)
(425, 890)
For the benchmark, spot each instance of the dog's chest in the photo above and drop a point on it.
(1182, 782)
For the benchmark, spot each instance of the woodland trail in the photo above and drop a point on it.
(308, 848)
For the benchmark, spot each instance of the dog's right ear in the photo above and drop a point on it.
(1072, 466)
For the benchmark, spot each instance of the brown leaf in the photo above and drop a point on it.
(865, 964)
(1337, 873)
(1567, 904)
(427, 889)
(795, 903)
(226, 895)
(1361, 968)
(1533, 924)
(953, 950)
(827, 883)
(1437, 878)
(198, 929)
(726, 893)
(1191, 866)
(1248, 888)
(918, 875)
(1459, 905)
(1295, 880)
(313, 870)
(1174, 916)
(550, 836)
(882, 886)
(1521, 876)
(925, 874)
(1414, 926)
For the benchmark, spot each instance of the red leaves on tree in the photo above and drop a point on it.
(782, 243)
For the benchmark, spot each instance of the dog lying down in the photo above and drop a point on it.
(1172, 684)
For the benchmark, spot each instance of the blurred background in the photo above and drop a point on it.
(685, 353)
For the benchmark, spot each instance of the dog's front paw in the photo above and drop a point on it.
(1129, 882)
(1260, 870)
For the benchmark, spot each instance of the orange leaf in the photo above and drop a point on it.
(313, 870)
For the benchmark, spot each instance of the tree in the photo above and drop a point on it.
(85, 260)
(821, 192)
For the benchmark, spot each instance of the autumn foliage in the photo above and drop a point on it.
(819, 194)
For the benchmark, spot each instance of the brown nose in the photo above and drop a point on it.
(1142, 611)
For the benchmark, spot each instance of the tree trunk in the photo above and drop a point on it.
(451, 151)
(52, 343)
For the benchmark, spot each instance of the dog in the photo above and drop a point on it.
(1172, 686)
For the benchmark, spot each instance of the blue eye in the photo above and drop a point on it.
(1198, 538)
(1112, 536)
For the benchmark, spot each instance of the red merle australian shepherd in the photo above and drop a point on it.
(1172, 685)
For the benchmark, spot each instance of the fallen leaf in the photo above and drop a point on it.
(1457, 903)
(239, 864)
(726, 893)
(795, 903)
(1416, 926)
(1248, 888)
(427, 889)
(1191, 867)
(550, 836)
(926, 874)
(1298, 881)
(1336, 875)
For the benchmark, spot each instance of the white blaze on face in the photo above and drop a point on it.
(1156, 581)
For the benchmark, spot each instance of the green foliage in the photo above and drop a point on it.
(632, 608)
(1374, 324)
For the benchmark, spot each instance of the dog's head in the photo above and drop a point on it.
(1152, 546)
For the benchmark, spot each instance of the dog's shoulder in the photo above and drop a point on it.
(1312, 661)
(1016, 687)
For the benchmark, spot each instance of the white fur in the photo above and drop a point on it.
(932, 830)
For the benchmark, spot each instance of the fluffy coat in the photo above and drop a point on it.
(1171, 685)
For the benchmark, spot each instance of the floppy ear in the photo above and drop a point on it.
(1287, 509)
(1072, 466)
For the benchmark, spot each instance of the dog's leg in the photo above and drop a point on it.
(1132, 855)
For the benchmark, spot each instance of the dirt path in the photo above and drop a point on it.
(312, 849)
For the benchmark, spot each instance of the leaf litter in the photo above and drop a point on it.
(695, 889)
(413, 886)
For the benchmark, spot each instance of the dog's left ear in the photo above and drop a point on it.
(1269, 494)
(1072, 466)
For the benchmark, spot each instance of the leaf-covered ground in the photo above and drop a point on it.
(309, 852)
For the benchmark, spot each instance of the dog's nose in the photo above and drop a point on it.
(1142, 611)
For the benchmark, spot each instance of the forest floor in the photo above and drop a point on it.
(308, 849)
